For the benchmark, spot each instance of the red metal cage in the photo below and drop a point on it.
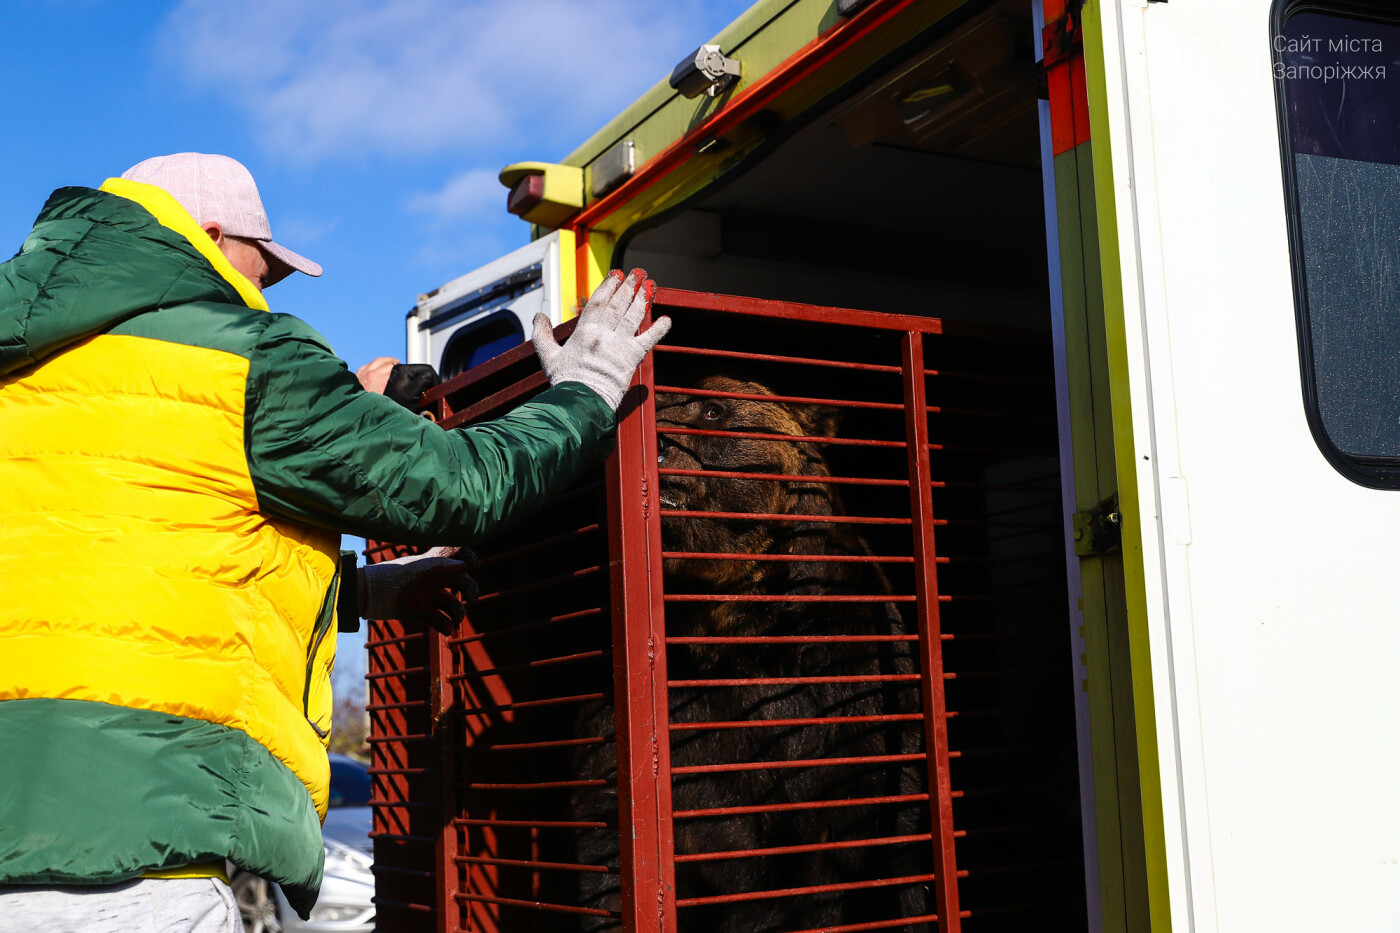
(855, 714)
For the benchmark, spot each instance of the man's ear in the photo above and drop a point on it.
(215, 231)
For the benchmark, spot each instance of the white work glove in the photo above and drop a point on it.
(604, 350)
(419, 589)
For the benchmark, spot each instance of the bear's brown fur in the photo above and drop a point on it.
(813, 657)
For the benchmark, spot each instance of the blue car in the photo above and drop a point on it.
(345, 904)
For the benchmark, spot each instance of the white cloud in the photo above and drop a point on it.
(415, 78)
(471, 193)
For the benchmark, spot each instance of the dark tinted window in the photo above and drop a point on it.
(349, 783)
(1339, 75)
(1342, 74)
(473, 345)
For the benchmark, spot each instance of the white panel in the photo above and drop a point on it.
(1273, 607)
(467, 300)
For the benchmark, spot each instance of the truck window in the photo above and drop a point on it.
(480, 341)
(1337, 73)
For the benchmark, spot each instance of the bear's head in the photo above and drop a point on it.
(739, 430)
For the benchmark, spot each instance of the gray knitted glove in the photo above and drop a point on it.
(604, 350)
(418, 589)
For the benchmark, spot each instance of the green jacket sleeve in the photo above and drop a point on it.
(324, 451)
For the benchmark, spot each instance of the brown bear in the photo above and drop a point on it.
(803, 808)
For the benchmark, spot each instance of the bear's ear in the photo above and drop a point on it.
(817, 420)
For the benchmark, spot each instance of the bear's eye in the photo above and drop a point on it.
(713, 412)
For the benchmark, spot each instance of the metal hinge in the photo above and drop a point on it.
(1061, 39)
(1099, 530)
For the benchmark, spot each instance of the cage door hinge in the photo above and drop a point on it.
(1099, 530)
(1063, 38)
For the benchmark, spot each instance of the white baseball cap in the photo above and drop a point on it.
(217, 189)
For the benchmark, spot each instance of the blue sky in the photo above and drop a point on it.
(374, 128)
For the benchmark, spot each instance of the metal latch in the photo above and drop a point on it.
(705, 71)
(1099, 530)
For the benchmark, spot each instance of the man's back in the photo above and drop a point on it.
(162, 616)
(178, 464)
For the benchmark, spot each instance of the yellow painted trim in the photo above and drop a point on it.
(552, 171)
(563, 191)
(227, 596)
(569, 298)
(171, 215)
(1134, 575)
(600, 252)
(200, 870)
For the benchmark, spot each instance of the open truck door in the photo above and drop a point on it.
(1224, 188)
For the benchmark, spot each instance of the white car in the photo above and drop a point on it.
(345, 904)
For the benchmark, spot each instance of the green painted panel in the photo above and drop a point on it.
(1136, 648)
(1113, 739)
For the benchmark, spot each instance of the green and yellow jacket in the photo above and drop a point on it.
(176, 467)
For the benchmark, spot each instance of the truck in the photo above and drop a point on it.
(1197, 204)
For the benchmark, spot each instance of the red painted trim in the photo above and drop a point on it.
(639, 672)
(794, 311)
(1063, 44)
(1058, 81)
(446, 849)
(1081, 100)
(801, 64)
(582, 260)
(940, 788)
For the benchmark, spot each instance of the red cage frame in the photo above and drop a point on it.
(641, 670)
(414, 689)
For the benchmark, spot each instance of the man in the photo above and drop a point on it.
(176, 468)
